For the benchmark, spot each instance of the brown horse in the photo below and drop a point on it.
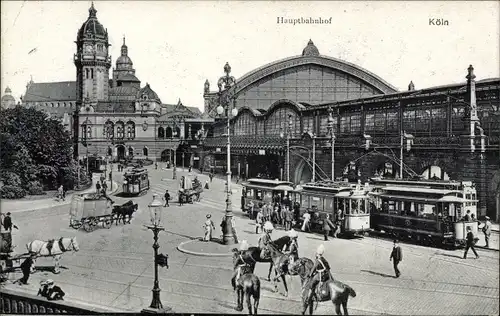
(248, 284)
(336, 291)
(252, 255)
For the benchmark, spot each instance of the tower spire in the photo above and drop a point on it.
(124, 39)
(92, 11)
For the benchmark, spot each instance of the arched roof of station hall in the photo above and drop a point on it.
(310, 55)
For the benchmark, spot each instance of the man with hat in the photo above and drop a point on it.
(265, 239)
(26, 269)
(397, 255)
(487, 231)
(320, 271)
(50, 291)
(7, 230)
(469, 243)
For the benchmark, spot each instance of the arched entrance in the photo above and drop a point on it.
(435, 173)
(120, 152)
(303, 173)
(387, 170)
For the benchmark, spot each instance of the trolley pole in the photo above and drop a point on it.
(401, 155)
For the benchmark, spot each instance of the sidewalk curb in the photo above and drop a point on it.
(201, 254)
(66, 202)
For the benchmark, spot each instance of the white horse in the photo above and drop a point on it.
(57, 248)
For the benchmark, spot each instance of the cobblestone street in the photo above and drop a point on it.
(114, 267)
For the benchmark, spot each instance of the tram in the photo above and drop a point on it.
(259, 191)
(347, 200)
(135, 182)
(428, 211)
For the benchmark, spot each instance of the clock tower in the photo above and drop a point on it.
(92, 61)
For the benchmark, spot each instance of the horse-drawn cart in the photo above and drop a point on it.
(190, 191)
(8, 260)
(88, 210)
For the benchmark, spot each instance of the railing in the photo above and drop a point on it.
(12, 302)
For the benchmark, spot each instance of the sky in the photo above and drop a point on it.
(175, 46)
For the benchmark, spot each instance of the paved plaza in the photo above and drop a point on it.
(114, 267)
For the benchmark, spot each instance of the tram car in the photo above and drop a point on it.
(261, 191)
(135, 182)
(327, 197)
(428, 211)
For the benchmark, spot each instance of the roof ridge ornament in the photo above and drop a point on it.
(310, 50)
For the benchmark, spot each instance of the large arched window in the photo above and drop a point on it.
(145, 151)
(109, 130)
(177, 132)
(161, 132)
(130, 130)
(131, 151)
(120, 130)
(168, 132)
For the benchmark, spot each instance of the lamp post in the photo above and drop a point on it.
(287, 146)
(409, 142)
(313, 137)
(155, 210)
(332, 139)
(228, 108)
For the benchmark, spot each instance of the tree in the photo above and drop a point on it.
(34, 146)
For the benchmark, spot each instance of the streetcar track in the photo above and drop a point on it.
(346, 281)
(339, 271)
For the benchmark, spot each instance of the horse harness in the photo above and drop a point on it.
(240, 267)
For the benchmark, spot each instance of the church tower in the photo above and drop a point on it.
(92, 61)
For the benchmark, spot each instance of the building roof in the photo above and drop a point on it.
(147, 91)
(92, 28)
(310, 49)
(127, 77)
(123, 90)
(51, 91)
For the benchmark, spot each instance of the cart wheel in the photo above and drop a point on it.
(75, 224)
(107, 223)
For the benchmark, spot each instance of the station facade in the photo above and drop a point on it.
(446, 132)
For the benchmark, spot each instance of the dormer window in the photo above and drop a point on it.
(144, 96)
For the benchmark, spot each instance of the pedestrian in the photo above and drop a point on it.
(288, 219)
(487, 231)
(156, 165)
(327, 225)
(307, 218)
(167, 198)
(469, 243)
(190, 168)
(296, 211)
(251, 212)
(206, 185)
(233, 229)
(60, 192)
(26, 269)
(7, 223)
(259, 221)
(211, 175)
(98, 187)
(209, 228)
(338, 223)
(397, 255)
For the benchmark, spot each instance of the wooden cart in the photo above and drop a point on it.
(88, 210)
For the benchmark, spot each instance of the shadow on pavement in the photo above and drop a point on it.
(185, 236)
(249, 232)
(48, 268)
(227, 305)
(451, 256)
(378, 273)
(316, 238)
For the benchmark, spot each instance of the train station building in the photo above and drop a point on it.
(444, 132)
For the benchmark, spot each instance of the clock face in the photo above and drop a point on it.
(89, 48)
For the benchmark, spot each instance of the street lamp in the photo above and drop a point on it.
(229, 108)
(332, 139)
(155, 211)
(409, 142)
(288, 131)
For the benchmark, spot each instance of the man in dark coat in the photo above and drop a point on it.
(470, 243)
(327, 225)
(397, 255)
(167, 198)
(26, 269)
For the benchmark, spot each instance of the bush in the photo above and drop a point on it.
(35, 188)
(12, 192)
(11, 178)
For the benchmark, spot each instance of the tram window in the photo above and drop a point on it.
(259, 194)
(317, 202)
(361, 206)
(250, 193)
(328, 204)
(354, 206)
